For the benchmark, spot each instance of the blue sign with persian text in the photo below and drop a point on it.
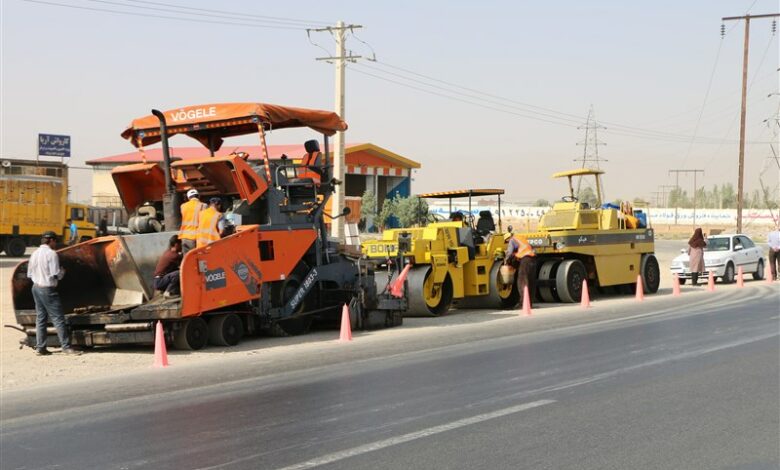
(51, 145)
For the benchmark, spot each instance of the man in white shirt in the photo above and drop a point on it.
(45, 272)
(773, 240)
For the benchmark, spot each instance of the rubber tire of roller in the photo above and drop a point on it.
(548, 268)
(568, 280)
(651, 274)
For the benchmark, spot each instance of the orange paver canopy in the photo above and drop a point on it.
(216, 121)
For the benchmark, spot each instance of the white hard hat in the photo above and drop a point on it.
(192, 193)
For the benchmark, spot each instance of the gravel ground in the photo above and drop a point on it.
(20, 368)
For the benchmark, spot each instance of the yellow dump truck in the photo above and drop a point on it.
(33, 199)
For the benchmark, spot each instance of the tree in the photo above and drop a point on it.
(387, 211)
(542, 203)
(368, 206)
(410, 211)
(588, 196)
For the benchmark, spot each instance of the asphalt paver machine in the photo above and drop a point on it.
(278, 272)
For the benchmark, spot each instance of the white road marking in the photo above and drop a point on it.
(393, 441)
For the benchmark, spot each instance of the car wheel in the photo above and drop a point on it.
(759, 274)
(728, 275)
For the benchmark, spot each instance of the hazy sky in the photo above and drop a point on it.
(644, 66)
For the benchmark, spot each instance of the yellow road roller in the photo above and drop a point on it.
(609, 245)
(452, 261)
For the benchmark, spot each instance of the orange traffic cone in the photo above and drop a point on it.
(346, 325)
(675, 285)
(397, 290)
(585, 298)
(740, 277)
(640, 290)
(768, 274)
(526, 301)
(711, 282)
(160, 352)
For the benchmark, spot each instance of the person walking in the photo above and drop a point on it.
(74, 232)
(520, 255)
(696, 246)
(773, 240)
(103, 227)
(45, 271)
(211, 226)
(190, 220)
(166, 274)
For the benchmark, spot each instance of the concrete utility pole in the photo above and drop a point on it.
(741, 178)
(695, 173)
(340, 60)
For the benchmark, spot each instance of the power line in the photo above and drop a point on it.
(704, 103)
(617, 128)
(178, 10)
(175, 18)
(236, 13)
(520, 112)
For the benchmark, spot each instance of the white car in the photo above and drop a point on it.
(723, 255)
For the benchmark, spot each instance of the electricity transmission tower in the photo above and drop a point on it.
(590, 154)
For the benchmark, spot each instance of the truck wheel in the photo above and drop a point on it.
(423, 301)
(568, 280)
(651, 274)
(15, 247)
(225, 330)
(191, 335)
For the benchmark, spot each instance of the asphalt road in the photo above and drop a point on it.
(690, 387)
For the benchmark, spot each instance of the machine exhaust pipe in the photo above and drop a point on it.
(171, 214)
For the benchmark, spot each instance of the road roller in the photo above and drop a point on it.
(610, 245)
(451, 262)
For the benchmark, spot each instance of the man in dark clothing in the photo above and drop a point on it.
(166, 274)
(103, 227)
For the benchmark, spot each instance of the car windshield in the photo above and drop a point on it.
(717, 244)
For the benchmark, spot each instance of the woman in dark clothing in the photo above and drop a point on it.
(696, 254)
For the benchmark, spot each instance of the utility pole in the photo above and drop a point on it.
(340, 61)
(695, 173)
(743, 112)
(590, 155)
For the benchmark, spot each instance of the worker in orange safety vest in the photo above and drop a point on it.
(520, 255)
(190, 220)
(212, 223)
